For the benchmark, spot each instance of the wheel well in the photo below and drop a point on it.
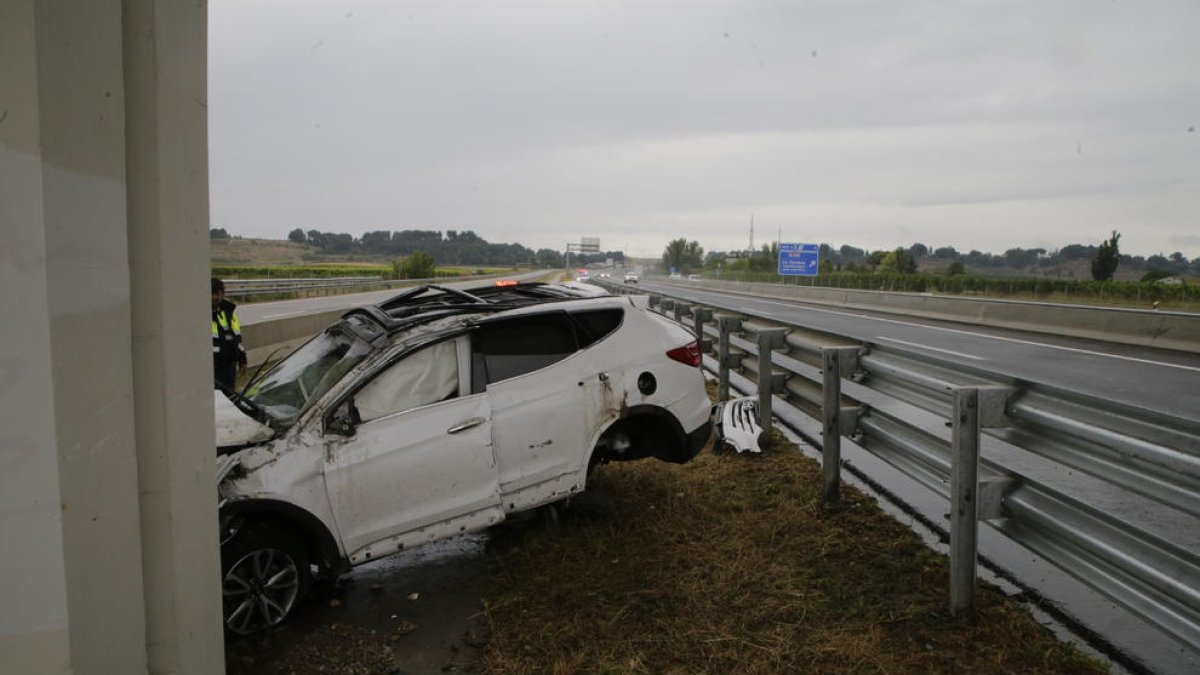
(318, 542)
(645, 431)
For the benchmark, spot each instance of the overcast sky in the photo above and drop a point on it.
(974, 124)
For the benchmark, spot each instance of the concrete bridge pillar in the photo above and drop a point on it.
(107, 492)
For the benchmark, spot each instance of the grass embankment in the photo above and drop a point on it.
(731, 564)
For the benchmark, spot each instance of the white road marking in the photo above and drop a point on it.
(755, 311)
(276, 316)
(985, 335)
(932, 349)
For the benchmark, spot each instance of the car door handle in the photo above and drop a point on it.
(469, 424)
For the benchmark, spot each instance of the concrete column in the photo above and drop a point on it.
(166, 95)
(34, 635)
(107, 497)
(82, 116)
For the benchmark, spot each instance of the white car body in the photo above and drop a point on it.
(364, 475)
(630, 278)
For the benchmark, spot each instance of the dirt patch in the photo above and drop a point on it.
(418, 612)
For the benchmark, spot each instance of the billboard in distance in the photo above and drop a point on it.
(798, 259)
(589, 244)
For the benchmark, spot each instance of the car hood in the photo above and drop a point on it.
(234, 427)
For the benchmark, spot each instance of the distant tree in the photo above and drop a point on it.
(683, 255)
(956, 268)
(1155, 275)
(218, 233)
(875, 258)
(419, 265)
(918, 250)
(825, 266)
(851, 253)
(1104, 265)
(297, 235)
(898, 261)
(548, 257)
(946, 252)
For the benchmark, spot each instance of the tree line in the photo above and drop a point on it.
(688, 256)
(452, 247)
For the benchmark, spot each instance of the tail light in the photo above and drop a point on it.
(506, 282)
(688, 354)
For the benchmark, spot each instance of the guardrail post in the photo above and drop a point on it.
(655, 301)
(964, 520)
(727, 325)
(772, 338)
(700, 316)
(682, 309)
(831, 439)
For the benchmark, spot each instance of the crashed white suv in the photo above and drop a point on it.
(434, 413)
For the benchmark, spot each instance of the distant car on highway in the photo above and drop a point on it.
(675, 276)
(436, 412)
(693, 277)
(631, 278)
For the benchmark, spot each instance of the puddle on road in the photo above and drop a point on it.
(415, 612)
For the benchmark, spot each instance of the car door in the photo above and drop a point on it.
(542, 400)
(415, 463)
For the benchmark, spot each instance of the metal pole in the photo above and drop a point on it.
(726, 325)
(831, 439)
(700, 316)
(767, 340)
(964, 520)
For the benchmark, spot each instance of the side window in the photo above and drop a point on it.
(427, 376)
(596, 324)
(512, 347)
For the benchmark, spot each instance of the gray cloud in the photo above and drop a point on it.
(979, 125)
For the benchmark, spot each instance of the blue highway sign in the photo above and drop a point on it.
(798, 259)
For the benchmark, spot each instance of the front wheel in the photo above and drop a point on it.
(265, 574)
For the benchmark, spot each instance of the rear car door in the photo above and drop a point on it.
(418, 464)
(543, 398)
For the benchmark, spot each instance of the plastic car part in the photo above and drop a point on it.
(737, 424)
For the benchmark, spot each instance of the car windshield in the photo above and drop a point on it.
(296, 382)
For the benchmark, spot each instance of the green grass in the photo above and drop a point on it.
(732, 564)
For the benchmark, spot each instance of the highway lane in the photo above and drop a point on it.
(281, 309)
(1167, 382)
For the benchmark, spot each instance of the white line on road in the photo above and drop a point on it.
(276, 316)
(932, 349)
(755, 311)
(985, 335)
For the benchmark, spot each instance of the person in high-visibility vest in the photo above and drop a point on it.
(229, 356)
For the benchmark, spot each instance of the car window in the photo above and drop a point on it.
(507, 348)
(593, 326)
(421, 378)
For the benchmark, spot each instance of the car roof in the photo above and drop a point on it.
(422, 304)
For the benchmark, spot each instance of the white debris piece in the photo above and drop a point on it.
(737, 424)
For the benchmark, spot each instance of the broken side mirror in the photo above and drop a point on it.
(342, 420)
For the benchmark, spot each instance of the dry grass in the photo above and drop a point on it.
(732, 564)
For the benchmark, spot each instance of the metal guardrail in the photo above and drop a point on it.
(853, 388)
(243, 287)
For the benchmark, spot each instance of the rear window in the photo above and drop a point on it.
(595, 325)
(508, 348)
(511, 347)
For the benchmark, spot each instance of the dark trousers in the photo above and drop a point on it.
(226, 375)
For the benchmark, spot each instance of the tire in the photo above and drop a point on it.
(264, 576)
